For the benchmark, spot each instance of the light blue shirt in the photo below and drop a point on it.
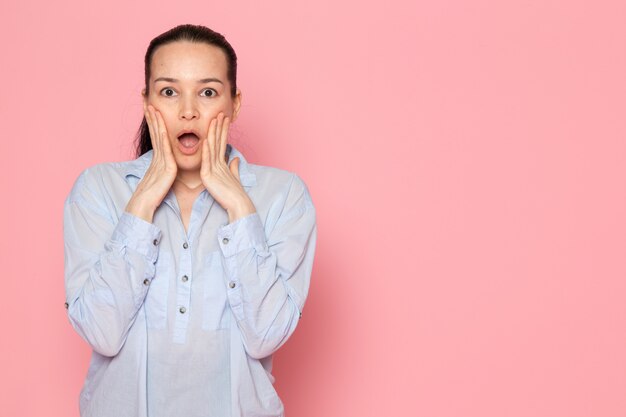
(184, 324)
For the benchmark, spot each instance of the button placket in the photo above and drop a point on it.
(183, 293)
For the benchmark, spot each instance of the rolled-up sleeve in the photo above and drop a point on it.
(268, 273)
(109, 264)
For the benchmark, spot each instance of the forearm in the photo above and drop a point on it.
(106, 291)
(266, 287)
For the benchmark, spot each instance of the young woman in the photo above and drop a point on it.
(188, 267)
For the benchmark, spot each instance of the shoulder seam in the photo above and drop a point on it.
(76, 194)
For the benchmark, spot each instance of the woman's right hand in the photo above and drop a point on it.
(161, 173)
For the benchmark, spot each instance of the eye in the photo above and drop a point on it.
(169, 92)
(212, 92)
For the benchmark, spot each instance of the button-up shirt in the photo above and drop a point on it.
(184, 323)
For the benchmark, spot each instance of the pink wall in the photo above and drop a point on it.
(467, 161)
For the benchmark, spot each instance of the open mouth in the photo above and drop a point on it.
(188, 140)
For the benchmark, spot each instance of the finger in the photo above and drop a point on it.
(155, 128)
(218, 133)
(154, 138)
(146, 115)
(163, 137)
(166, 145)
(223, 139)
(210, 138)
(205, 154)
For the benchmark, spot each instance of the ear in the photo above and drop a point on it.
(144, 98)
(236, 104)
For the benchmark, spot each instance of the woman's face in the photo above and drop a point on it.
(189, 87)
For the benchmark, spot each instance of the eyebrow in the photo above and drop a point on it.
(202, 81)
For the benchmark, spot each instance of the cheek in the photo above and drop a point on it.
(214, 111)
(164, 107)
(169, 120)
(225, 106)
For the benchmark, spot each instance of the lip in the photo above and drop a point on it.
(194, 131)
(188, 151)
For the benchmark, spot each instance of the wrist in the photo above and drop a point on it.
(138, 207)
(243, 208)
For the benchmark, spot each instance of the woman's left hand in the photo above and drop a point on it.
(219, 178)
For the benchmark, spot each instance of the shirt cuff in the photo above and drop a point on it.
(242, 234)
(139, 235)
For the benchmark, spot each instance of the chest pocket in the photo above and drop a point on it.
(156, 300)
(215, 309)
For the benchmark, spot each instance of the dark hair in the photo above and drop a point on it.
(190, 33)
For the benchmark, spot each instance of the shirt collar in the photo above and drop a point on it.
(137, 168)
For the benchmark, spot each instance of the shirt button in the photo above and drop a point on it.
(225, 240)
(231, 284)
(66, 305)
(182, 310)
(185, 278)
(185, 245)
(155, 242)
(146, 281)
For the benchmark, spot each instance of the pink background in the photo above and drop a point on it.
(467, 161)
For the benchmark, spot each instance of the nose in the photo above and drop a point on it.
(188, 109)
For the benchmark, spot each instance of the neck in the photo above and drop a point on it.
(188, 179)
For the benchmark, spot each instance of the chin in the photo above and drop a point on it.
(188, 162)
